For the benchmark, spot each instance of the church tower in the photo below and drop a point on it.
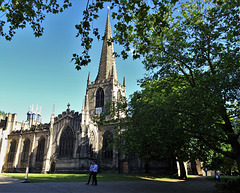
(104, 89)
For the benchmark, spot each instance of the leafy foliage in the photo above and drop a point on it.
(17, 14)
(228, 184)
(217, 161)
(135, 20)
(152, 133)
(193, 47)
(3, 113)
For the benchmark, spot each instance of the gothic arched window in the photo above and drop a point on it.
(25, 151)
(12, 151)
(100, 98)
(66, 143)
(40, 150)
(107, 149)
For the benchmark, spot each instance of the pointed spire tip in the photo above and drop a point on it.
(107, 61)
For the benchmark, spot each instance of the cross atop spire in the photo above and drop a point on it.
(107, 66)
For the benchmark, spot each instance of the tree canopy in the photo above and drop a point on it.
(197, 41)
(17, 14)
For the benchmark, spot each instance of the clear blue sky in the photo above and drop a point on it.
(38, 71)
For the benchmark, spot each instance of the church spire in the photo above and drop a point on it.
(107, 62)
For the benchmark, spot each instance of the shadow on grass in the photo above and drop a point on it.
(102, 177)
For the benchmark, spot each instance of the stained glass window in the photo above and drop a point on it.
(12, 151)
(40, 150)
(100, 98)
(107, 149)
(66, 143)
(25, 151)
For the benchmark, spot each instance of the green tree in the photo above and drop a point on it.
(134, 18)
(198, 40)
(217, 162)
(163, 115)
(154, 126)
(155, 132)
(17, 14)
(3, 113)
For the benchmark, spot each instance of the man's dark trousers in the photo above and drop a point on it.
(91, 173)
(94, 178)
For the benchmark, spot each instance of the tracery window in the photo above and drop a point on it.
(12, 151)
(40, 150)
(107, 149)
(100, 98)
(66, 143)
(25, 151)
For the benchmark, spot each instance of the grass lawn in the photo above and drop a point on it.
(102, 177)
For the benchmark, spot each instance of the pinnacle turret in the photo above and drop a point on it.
(34, 117)
(88, 81)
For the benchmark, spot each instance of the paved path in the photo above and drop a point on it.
(193, 185)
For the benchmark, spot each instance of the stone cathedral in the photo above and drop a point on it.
(71, 140)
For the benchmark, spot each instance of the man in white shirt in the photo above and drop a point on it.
(91, 172)
(95, 170)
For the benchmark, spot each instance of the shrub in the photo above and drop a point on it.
(229, 184)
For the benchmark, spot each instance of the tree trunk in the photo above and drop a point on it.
(232, 137)
(172, 166)
(146, 166)
(182, 170)
(194, 168)
(238, 163)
